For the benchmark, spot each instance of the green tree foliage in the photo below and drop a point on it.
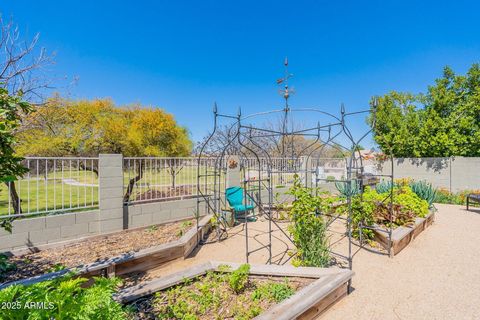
(443, 122)
(88, 127)
(12, 108)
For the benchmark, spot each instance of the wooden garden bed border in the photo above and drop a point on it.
(139, 261)
(404, 235)
(330, 286)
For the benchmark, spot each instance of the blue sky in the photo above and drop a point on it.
(184, 55)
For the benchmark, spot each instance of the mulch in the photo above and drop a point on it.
(95, 250)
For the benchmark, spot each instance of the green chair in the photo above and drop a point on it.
(235, 197)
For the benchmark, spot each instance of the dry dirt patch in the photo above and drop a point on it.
(95, 250)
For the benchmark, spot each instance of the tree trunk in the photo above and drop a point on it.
(89, 168)
(17, 207)
(132, 182)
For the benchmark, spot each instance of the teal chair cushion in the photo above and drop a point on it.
(235, 197)
(242, 208)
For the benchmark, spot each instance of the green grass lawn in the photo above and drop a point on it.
(56, 193)
(38, 196)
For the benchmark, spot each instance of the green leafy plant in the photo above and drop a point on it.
(374, 207)
(63, 298)
(363, 207)
(395, 217)
(57, 267)
(273, 291)
(5, 266)
(184, 228)
(6, 224)
(410, 201)
(308, 228)
(281, 207)
(12, 108)
(222, 294)
(238, 279)
(152, 228)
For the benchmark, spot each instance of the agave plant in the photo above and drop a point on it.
(424, 190)
(385, 186)
(348, 189)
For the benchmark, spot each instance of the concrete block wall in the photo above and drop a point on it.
(37, 231)
(465, 174)
(454, 173)
(145, 214)
(111, 215)
(110, 179)
(32, 232)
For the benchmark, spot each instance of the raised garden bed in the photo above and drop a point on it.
(207, 291)
(116, 254)
(403, 235)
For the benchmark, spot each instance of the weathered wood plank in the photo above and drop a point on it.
(150, 261)
(323, 305)
(140, 290)
(330, 286)
(286, 271)
(140, 261)
(303, 300)
(403, 235)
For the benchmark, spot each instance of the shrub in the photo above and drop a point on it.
(445, 196)
(63, 298)
(410, 201)
(373, 207)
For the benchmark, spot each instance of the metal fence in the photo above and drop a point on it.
(154, 178)
(51, 185)
(328, 169)
(283, 170)
(55, 185)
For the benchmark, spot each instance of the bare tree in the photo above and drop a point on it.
(23, 69)
(276, 145)
(23, 65)
(223, 138)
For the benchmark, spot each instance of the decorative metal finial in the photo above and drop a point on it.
(239, 112)
(285, 91)
(215, 109)
(375, 103)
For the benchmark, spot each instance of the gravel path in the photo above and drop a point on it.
(436, 277)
